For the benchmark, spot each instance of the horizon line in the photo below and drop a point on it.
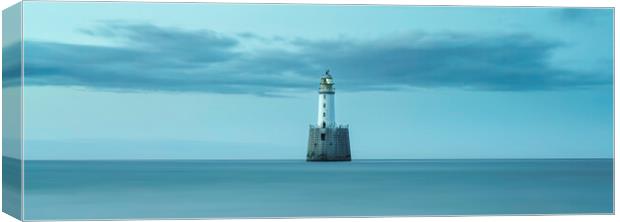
(280, 159)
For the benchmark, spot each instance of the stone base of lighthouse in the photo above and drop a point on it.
(328, 144)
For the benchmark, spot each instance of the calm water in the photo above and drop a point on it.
(198, 189)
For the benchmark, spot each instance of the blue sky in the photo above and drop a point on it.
(238, 81)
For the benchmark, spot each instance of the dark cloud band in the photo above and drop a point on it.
(155, 58)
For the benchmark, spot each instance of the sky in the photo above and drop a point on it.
(239, 81)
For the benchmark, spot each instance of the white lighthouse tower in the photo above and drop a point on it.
(328, 141)
(327, 113)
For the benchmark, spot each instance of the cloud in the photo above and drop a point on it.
(11, 64)
(587, 16)
(154, 58)
(507, 62)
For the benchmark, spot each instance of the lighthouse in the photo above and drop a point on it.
(328, 141)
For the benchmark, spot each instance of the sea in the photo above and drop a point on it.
(177, 189)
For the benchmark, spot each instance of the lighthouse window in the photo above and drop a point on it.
(323, 105)
(323, 114)
(323, 96)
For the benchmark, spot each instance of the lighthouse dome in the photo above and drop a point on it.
(327, 78)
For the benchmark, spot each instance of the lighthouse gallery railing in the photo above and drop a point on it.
(338, 126)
